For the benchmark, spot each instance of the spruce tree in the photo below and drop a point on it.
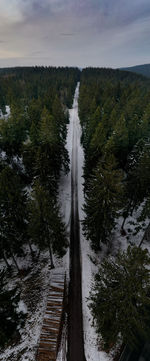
(138, 175)
(12, 214)
(10, 317)
(46, 228)
(103, 199)
(120, 299)
(13, 132)
(118, 142)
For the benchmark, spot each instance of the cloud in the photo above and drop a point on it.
(35, 53)
(75, 32)
(37, 9)
(9, 12)
(67, 34)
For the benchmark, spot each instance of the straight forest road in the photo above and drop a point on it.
(75, 320)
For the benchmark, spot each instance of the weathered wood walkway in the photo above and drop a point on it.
(52, 323)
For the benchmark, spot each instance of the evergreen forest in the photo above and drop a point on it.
(32, 154)
(114, 110)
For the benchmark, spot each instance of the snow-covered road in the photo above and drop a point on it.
(88, 268)
(75, 323)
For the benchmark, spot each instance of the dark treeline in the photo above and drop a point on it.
(28, 83)
(32, 154)
(114, 109)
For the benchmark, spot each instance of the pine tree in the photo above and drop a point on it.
(60, 119)
(13, 132)
(10, 318)
(34, 115)
(118, 142)
(48, 129)
(102, 201)
(138, 176)
(12, 214)
(120, 299)
(144, 126)
(29, 155)
(45, 226)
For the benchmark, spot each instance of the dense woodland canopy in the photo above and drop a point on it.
(40, 83)
(32, 154)
(120, 301)
(114, 109)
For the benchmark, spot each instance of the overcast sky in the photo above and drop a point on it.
(111, 33)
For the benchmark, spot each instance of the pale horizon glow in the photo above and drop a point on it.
(103, 33)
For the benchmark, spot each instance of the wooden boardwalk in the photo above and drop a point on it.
(52, 323)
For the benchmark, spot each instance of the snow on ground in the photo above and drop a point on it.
(22, 307)
(18, 161)
(89, 268)
(65, 206)
(3, 155)
(134, 231)
(7, 111)
(6, 115)
(34, 285)
(92, 353)
(134, 234)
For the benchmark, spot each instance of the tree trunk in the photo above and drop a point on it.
(38, 253)
(145, 235)
(125, 217)
(123, 223)
(5, 260)
(51, 256)
(133, 208)
(15, 262)
(31, 250)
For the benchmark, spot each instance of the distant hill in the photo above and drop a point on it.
(139, 69)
